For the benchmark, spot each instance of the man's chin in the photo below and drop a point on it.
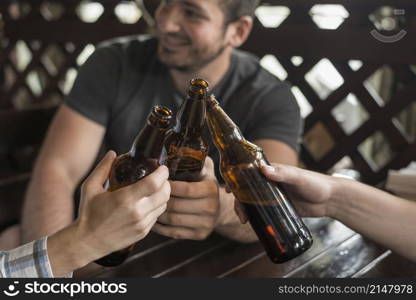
(177, 67)
(170, 61)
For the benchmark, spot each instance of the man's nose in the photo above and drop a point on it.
(169, 19)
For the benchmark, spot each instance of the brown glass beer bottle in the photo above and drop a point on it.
(186, 147)
(143, 158)
(272, 216)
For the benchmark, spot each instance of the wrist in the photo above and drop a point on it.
(336, 197)
(87, 243)
(65, 251)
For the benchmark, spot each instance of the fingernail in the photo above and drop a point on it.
(270, 169)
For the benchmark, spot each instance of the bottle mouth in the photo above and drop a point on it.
(199, 87)
(199, 82)
(162, 112)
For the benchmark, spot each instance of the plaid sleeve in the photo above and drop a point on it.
(30, 260)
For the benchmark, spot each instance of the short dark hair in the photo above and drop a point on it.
(234, 9)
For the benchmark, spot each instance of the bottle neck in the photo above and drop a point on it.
(224, 131)
(191, 115)
(149, 142)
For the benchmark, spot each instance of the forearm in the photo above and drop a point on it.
(48, 204)
(382, 217)
(228, 223)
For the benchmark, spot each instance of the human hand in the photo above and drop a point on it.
(193, 209)
(308, 191)
(110, 221)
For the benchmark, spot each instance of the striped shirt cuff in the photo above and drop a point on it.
(27, 261)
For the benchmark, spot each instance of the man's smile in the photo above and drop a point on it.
(173, 42)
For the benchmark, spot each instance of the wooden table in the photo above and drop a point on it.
(337, 252)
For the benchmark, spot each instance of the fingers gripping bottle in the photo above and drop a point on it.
(143, 158)
(270, 213)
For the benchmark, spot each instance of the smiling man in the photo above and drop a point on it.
(124, 78)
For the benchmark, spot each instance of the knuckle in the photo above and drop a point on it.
(137, 215)
(140, 227)
(152, 183)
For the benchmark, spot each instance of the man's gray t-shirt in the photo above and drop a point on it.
(123, 79)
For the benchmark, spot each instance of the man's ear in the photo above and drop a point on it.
(240, 30)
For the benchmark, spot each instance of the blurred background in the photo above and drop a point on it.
(352, 65)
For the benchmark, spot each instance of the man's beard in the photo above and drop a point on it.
(198, 63)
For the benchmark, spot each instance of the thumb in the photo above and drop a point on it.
(99, 175)
(208, 171)
(281, 173)
(271, 172)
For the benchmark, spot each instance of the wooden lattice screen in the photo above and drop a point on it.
(58, 37)
(55, 33)
(299, 36)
